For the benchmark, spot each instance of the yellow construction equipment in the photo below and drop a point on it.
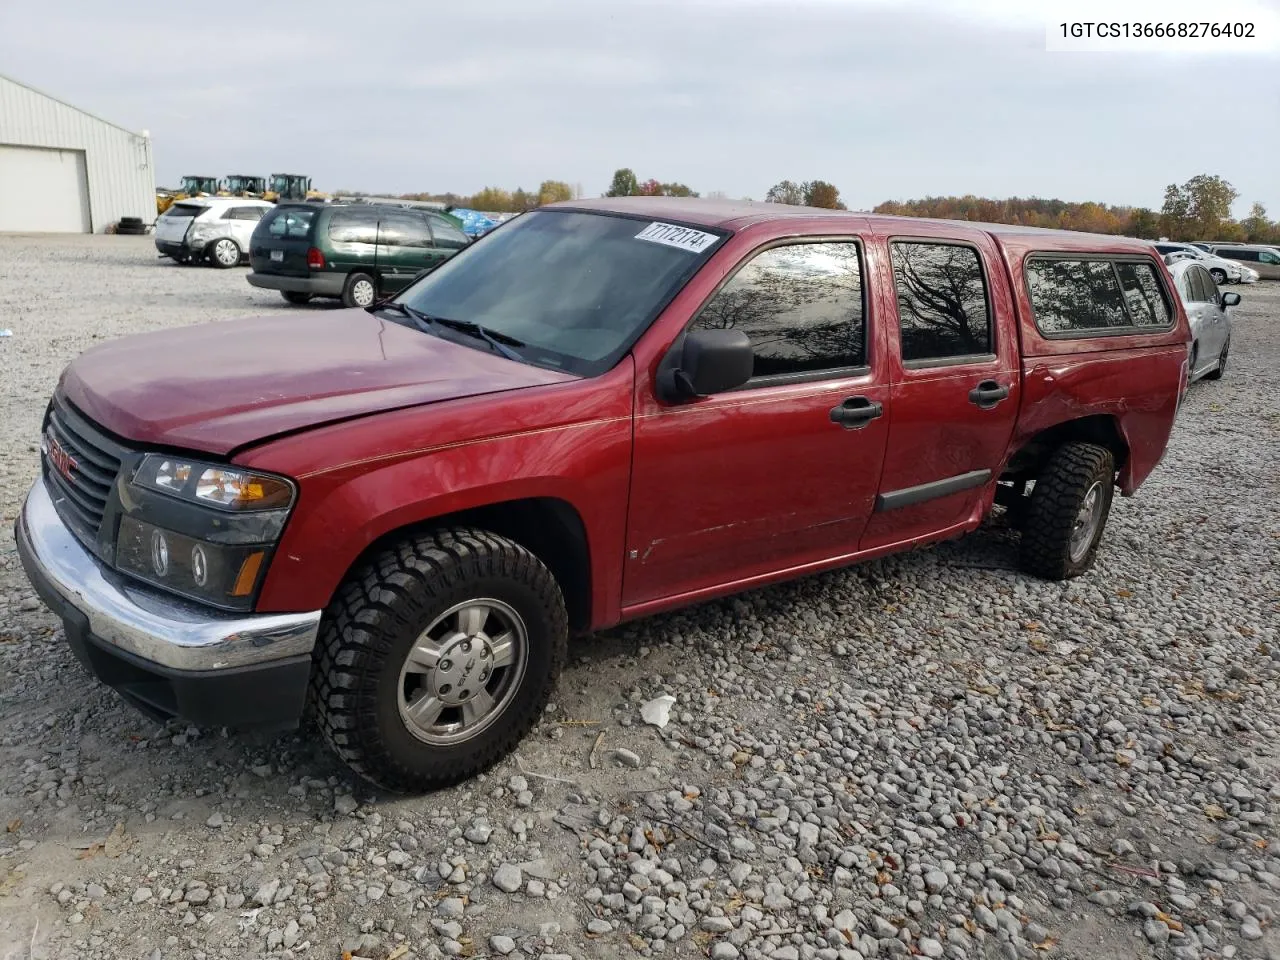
(291, 186)
(191, 187)
(243, 185)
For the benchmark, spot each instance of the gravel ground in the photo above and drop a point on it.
(928, 755)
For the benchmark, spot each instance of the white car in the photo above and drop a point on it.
(212, 229)
(1248, 274)
(1209, 311)
(1223, 271)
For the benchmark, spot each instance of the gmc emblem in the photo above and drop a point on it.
(62, 461)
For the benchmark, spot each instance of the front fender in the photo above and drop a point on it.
(361, 496)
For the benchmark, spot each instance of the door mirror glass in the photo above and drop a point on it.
(1230, 299)
(709, 361)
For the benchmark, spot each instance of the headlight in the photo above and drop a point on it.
(227, 488)
(222, 574)
(202, 530)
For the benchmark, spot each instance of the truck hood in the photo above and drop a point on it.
(217, 387)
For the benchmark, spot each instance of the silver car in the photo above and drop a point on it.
(1222, 270)
(216, 229)
(1209, 311)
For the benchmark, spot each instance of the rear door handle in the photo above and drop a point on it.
(856, 412)
(988, 393)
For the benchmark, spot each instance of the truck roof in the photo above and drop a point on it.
(737, 214)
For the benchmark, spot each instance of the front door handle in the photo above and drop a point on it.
(856, 412)
(988, 393)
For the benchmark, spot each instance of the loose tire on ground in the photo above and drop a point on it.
(376, 636)
(1068, 511)
(296, 296)
(360, 290)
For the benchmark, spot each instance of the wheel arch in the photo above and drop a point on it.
(550, 528)
(1035, 451)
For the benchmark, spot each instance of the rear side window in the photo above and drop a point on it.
(1091, 297)
(942, 301)
(290, 222)
(1196, 283)
(354, 226)
(800, 304)
(244, 213)
(447, 235)
(186, 210)
(1147, 305)
(403, 230)
(1229, 254)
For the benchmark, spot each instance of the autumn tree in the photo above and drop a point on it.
(788, 191)
(1144, 224)
(554, 191)
(494, 199)
(677, 190)
(1257, 228)
(624, 184)
(1199, 208)
(819, 193)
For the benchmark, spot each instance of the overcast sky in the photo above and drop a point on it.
(888, 99)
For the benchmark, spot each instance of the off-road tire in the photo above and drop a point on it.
(1221, 368)
(1056, 501)
(375, 617)
(296, 296)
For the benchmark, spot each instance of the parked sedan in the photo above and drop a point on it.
(1209, 311)
(213, 229)
(1222, 270)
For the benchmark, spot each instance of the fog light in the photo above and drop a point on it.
(159, 553)
(199, 566)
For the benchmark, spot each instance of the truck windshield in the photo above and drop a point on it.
(575, 289)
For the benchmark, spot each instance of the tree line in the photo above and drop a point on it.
(1199, 209)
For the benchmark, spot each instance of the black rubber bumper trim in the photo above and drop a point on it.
(910, 496)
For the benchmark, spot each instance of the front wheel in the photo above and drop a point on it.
(1219, 276)
(225, 254)
(437, 657)
(1068, 511)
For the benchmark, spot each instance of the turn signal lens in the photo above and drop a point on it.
(242, 491)
(248, 576)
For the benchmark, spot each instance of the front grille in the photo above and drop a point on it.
(80, 481)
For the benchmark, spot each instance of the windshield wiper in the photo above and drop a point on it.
(501, 342)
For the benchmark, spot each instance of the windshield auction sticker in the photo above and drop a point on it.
(695, 241)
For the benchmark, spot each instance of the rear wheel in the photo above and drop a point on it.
(1221, 368)
(359, 290)
(437, 656)
(1068, 511)
(225, 253)
(294, 296)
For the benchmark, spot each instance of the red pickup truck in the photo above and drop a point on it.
(602, 409)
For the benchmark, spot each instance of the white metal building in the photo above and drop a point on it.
(66, 171)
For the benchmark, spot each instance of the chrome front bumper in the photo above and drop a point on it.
(143, 623)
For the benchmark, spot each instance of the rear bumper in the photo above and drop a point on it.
(320, 285)
(174, 248)
(167, 657)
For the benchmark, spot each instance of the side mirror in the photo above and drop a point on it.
(707, 362)
(1230, 299)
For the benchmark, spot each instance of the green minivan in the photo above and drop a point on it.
(353, 252)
